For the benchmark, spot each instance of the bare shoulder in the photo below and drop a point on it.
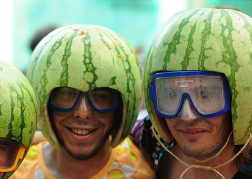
(38, 137)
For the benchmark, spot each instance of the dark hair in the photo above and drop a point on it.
(226, 7)
(39, 35)
(245, 158)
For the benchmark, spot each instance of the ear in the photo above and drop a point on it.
(117, 122)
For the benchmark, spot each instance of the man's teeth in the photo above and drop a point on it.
(192, 132)
(81, 132)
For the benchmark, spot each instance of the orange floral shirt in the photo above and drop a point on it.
(125, 162)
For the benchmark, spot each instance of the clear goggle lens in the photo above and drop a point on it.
(10, 152)
(102, 100)
(208, 92)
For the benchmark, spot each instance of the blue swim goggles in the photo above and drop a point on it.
(208, 92)
(102, 100)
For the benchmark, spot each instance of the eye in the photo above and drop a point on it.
(3, 148)
(208, 93)
(172, 94)
(67, 94)
(100, 96)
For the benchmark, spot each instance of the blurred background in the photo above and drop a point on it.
(136, 20)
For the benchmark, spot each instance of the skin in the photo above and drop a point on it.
(199, 138)
(38, 137)
(79, 151)
(5, 150)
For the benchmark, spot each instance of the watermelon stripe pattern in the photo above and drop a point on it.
(18, 106)
(85, 57)
(87, 60)
(208, 40)
(15, 126)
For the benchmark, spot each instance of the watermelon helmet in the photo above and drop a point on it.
(214, 40)
(18, 117)
(85, 57)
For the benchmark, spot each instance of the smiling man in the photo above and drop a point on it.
(88, 82)
(198, 95)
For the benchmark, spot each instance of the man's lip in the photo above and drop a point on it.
(82, 134)
(82, 128)
(193, 133)
(192, 130)
(81, 131)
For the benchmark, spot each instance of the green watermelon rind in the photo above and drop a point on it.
(18, 108)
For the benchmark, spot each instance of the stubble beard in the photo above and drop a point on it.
(206, 151)
(81, 154)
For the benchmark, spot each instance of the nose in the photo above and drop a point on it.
(188, 112)
(83, 108)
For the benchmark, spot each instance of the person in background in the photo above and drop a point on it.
(198, 96)
(40, 34)
(18, 118)
(88, 82)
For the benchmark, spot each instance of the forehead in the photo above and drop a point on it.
(4, 141)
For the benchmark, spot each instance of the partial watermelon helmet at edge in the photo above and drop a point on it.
(85, 57)
(18, 108)
(206, 40)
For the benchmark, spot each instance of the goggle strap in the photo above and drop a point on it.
(200, 166)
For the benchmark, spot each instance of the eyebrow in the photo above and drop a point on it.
(4, 143)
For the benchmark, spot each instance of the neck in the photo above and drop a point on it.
(62, 165)
(191, 168)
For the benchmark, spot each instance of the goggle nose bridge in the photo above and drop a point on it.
(185, 96)
(80, 95)
(87, 101)
(79, 98)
